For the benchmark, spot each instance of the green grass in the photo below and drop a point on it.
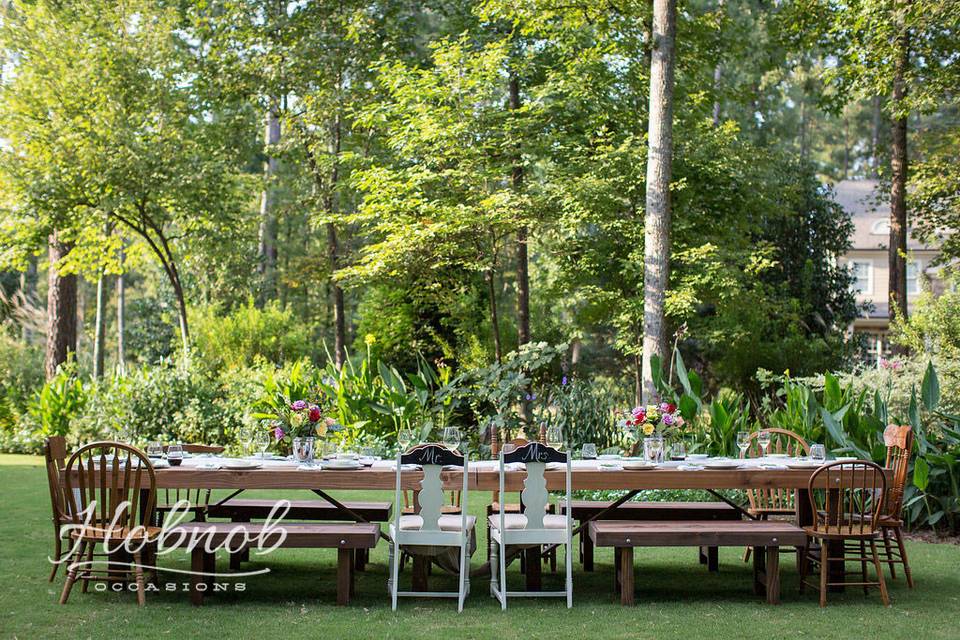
(676, 597)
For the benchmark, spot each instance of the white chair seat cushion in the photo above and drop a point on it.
(519, 521)
(447, 523)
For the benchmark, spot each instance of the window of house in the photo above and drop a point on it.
(862, 275)
(913, 276)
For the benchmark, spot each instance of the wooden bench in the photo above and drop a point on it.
(586, 510)
(347, 538)
(248, 509)
(765, 536)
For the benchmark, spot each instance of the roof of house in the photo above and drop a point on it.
(869, 208)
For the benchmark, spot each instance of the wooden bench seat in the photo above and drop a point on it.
(766, 538)
(347, 538)
(585, 510)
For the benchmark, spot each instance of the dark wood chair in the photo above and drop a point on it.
(847, 511)
(778, 503)
(55, 456)
(899, 442)
(110, 493)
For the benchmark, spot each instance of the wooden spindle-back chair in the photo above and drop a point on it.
(847, 500)
(899, 443)
(55, 457)
(110, 493)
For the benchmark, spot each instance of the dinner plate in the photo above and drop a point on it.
(239, 465)
(608, 456)
(610, 467)
(803, 464)
(341, 465)
(697, 456)
(638, 465)
(721, 464)
(776, 455)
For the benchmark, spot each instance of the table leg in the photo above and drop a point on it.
(773, 575)
(759, 571)
(533, 568)
(587, 546)
(626, 575)
(420, 567)
(197, 583)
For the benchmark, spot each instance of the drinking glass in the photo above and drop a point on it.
(246, 438)
(653, 448)
(154, 449)
(451, 438)
(262, 439)
(818, 453)
(589, 451)
(743, 442)
(678, 451)
(175, 454)
(763, 439)
(405, 437)
(555, 437)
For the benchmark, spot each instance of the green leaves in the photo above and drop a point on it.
(930, 388)
(921, 473)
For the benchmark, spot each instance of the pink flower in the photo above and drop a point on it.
(278, 434)
(668, 419)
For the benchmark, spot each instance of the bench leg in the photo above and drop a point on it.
(587, 550)
(197, 583)
(773, 575)
(626, 575)
(209, 567)
(360, 560)
(710, 556)
(344, 576)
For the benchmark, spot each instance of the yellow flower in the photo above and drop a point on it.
(296, 419)
(370, 339)
(321, 428)
(653, 412)
(648, 429)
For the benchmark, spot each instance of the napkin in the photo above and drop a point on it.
(208, 465)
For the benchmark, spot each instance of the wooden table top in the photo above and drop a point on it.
(483, 475)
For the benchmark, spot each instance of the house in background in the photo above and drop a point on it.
(867, 258)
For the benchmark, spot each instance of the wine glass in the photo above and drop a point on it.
(743, 442)
(763, 439)
(262, 439)
(175, 454)
(405, 437)
(589, 451)
(154, 449)
(678, 451)
(451, 438)
(818, 453)
(246, 437)
(555, 437)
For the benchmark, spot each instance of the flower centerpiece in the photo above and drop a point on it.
(299, 424)
(653, 422)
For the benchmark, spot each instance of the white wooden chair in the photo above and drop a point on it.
(430, 527)
(532, 527)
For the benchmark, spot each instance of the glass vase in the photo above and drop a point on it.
(303, 450)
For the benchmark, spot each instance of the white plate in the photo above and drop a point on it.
(776, 455)
(721, 464)
(340, 465)
(803, 464)
(843, 459)
(239, 465)
(610, 467)
(697, 456)
(638, 465)
(608, 456)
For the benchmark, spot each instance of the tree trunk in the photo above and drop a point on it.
(333, 248)
(121, 310)
(875, 139)
(61, 308)
(846, 146)
(100, 327)
(267, 252)
(897, 252)
(656, 263)
(523, 261)
(28, 298)
(494, 319)
(717, 77)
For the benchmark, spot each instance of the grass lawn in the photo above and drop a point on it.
(676, 597)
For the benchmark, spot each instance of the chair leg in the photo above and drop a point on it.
(746, 554)
(568, 570)
(395, 575)
(888, 548)
(57, 553)
(804, 567)
(72, 572)
(503, 575)
(494, 555)
(883, 585)
(463, 576)
(824, 571)
(86, 579)
(138, 572)
(863, 567)
(898, 533)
